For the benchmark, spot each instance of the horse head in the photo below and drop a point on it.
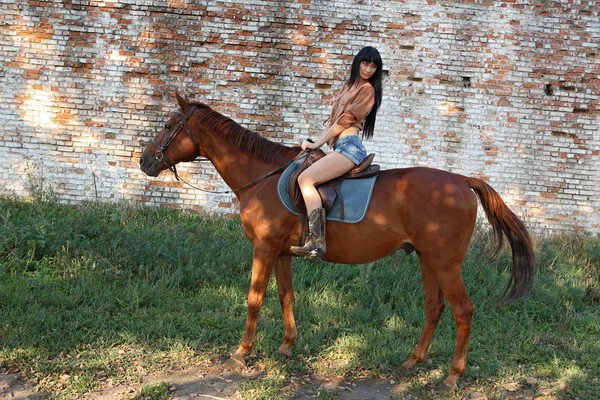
(175, 143)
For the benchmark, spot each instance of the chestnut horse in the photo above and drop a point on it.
(425, 210)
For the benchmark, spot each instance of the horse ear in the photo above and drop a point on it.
(183, 103)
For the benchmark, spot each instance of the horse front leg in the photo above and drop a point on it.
(283, 273)
(262, 266)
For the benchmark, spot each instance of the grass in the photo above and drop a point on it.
(159, 391)
(98, 295)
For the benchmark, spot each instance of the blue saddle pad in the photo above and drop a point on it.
(357, 195)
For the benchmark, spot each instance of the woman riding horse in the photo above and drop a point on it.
(425, 210)
(354, 109)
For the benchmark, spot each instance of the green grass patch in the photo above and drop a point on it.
(98, 295)
(159, 391)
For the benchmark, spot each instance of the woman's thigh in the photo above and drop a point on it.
(327, 168)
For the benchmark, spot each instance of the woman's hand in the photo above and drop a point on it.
(306, 145)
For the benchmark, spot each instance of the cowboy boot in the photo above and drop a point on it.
(315, 245)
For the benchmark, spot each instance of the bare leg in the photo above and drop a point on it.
(283, 273)
(262, 266)
(434, 307)
(329, 167)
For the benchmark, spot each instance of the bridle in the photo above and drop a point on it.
(160, 155)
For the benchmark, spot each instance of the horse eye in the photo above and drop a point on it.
(168, 127)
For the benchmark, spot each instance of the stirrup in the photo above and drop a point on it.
(315, 253)
(308, 253)
(306, 250)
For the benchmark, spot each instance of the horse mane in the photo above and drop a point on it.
(249, 142)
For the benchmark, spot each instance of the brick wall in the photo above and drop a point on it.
(504, 90)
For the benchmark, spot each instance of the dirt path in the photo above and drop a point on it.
(215, 382)
(11, 387)
(218, 383)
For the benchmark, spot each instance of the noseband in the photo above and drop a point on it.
(160, 153)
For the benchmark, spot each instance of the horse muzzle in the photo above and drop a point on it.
(150, 164)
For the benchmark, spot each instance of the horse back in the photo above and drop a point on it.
(423, 195)
(410, 208)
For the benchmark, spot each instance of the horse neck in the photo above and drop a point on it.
(238, 168)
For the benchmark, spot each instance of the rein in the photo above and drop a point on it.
(161, 156)
(255, 181)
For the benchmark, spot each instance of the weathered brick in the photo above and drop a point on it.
(506, 93)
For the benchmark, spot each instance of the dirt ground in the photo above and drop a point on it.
(215, 382)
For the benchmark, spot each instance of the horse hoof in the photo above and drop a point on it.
(445, 388)
(235, 363)
(408, 365)
(285, 350)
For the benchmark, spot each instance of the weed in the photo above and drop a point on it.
(37, 186)
(159, 391)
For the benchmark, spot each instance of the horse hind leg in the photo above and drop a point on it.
(462, 312)
(434, 307)
(283, 274)
(453, 287)
(442, 279)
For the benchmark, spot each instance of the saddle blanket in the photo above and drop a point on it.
(356, 193)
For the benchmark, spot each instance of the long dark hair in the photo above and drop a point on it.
(369, 54)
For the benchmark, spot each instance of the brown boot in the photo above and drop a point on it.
(315, 245)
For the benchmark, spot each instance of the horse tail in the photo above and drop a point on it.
(504, 221)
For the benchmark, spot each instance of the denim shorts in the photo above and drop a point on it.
(351, 146)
